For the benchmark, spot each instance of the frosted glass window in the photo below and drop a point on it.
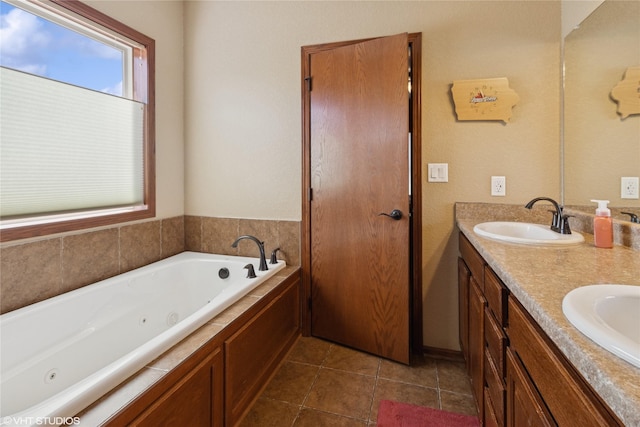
(77, 115)
(66, 148)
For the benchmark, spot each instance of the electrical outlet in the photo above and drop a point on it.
(498, 186)
(629, 187)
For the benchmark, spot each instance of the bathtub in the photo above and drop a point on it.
(60, 355)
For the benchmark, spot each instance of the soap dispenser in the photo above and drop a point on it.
(602, 225)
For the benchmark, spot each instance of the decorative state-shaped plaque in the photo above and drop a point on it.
(484, 99)
(627, 93)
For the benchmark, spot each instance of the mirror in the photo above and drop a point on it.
(599, 145)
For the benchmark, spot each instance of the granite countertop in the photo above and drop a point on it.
(539, 277)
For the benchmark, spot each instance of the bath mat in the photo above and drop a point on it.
(397, 414)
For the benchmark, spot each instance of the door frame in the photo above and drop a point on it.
(415, 126)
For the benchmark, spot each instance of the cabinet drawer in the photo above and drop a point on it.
(496, 295)
(473, 259)
(496, 341)
(495, 386)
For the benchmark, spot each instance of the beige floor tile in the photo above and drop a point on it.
(422, 372)
(452, 376)
(309, 350)
(403, 392)
(350, 360)
(270, 413)
(460, 403)
(325, 384)
(313, 418)
(292, 382)
(342, 393)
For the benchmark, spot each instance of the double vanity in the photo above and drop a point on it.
(529, 362)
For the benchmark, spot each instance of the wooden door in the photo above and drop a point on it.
(359, 167)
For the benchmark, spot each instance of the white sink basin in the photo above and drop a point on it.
(609, 315)
(526, 233)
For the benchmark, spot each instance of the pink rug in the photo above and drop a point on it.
(396, 414)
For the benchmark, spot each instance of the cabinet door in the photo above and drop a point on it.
(195, 400)
(254, 352)
(464, 276)
(476, 342)
(525, 407)
(567, 395)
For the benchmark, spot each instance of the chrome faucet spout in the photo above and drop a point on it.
(560, 222)
(263, 259)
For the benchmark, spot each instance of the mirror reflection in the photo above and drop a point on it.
(600, 147)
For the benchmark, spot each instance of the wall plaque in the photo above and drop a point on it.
(627, 93)
(484, 99)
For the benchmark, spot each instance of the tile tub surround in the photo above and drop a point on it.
(540, 277)
(135, 386)
(34, 270)
(215, 235)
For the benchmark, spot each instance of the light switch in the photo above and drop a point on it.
(438, 172)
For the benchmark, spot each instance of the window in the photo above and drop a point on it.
(76, 119)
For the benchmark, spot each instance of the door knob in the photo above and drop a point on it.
(395, 214)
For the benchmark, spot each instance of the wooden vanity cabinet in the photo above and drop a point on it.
(525, 406)
(567, 396)
(495, 344)
(464, 279)
(483, 308)
(472, 303)
(519, 376)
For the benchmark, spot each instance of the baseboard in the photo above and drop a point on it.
(443, 353)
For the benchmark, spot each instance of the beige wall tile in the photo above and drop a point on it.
(172, 236)
(193, 233)
(218, 234)
(30, 273)
(264, 230)
(89, 257)
(139, 245)
(289, 241)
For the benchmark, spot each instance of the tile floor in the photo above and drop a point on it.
(325, 384)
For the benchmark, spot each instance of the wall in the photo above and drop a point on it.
(234, 149)
(243, 125)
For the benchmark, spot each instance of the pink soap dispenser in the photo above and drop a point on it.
(602, 225)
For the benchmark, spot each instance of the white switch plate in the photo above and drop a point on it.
(498, 186)
(438, 172)
(629, 187)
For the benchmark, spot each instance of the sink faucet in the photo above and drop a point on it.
(560, 222)
(263, 259)
(633, 217)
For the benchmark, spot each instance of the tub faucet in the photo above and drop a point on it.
(251, 273)
(274, 259)
(560, 222)
(263, 259)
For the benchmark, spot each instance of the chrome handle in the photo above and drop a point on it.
(395, 214)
